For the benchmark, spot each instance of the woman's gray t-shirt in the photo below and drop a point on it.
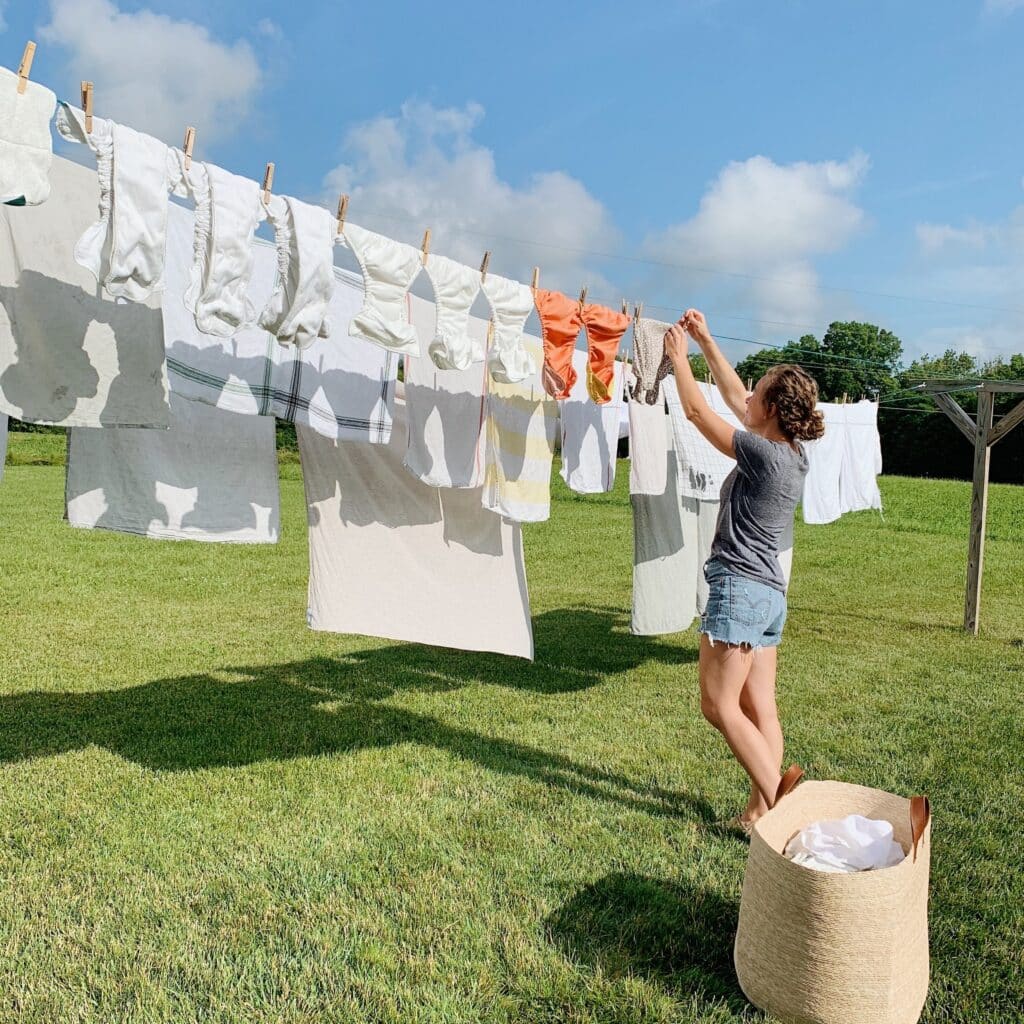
(759, 499)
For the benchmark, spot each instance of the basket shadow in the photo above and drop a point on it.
(677, 934)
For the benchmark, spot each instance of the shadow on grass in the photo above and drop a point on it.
(247, 714)
(675, 933)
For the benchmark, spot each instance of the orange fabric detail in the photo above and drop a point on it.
(560, 324)
(560, 320)
(605, 328)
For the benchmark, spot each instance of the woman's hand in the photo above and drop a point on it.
(676, 343)
(697, 327)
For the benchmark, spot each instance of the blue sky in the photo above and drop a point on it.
(779, 164)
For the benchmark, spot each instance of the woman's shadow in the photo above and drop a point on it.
(679, 934)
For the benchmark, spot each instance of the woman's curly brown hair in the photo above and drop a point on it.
(794, 393)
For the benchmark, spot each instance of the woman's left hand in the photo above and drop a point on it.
(677, 343)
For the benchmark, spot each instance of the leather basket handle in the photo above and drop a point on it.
(920, 815)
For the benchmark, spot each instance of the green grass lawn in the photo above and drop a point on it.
(211, 814)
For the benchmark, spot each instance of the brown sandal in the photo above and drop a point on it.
(788, 782)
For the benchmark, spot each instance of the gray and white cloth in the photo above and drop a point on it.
(342, 387)
(702, 467)
(26, 145)
(212, 476)
(69, 354)
(590, 432)
(393, 557)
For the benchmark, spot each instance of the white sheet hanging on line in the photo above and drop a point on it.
(702, 468)
(211, 477)
(26, 145)
(825, 457)
(391, 557)
(342, 387)
(125, 248)
(590, 432)
(69, 354)
(519, 443)
(862, 462)
(445, 409)
(648, 442)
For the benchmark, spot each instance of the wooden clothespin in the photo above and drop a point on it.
(426, 246)
(25, 67)
(638, 311)
(268, 183)
(750, 383)
(536, 278)
(342, 213)
(190, 141)
(583, 295)
(484, 264)
(707, 378)
(844, 398)
(625, 308)
(87, 105)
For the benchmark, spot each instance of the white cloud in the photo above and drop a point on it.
(153, 72)
(932, 237)
(424, 168)
(760, 225)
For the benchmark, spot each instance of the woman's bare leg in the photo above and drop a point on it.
(723, 673)
(757, 701)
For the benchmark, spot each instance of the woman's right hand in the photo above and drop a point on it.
(697, 326)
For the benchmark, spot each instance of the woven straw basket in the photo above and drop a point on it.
(820, 948)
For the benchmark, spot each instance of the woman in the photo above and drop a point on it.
(746, 609)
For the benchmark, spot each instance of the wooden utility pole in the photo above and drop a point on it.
(983, 435)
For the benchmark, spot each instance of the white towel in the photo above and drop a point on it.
(702, 467)
(69, 354)
(211, 477)
(648, 442)
(228, 209)
(391, 557)
(846, 845)
(298, 311)
(125, 248)
(862, 460)
(825, 457)
(520, 426)
(26, 146)
(445, 409)
(590, 432)
(342, 387)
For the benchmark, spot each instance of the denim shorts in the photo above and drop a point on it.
(741, 611)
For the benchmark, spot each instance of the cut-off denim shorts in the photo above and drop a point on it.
(741, 611)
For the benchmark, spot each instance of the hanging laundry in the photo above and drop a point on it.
(26, 146)
(862, 460)
(455, 289)
(702, 468)
(590, 433)
(228, 209)
(508, 356)
(651, 364)
(391, 557)
(648, 439)
(389, 269)
(124, 249)
(69, 354)
(825, 456)
(342, 388)
(3, 444)
(561, 319)
(519, 444)
(445, 409)
(667, 562)
(211, 477)
(298, 310)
